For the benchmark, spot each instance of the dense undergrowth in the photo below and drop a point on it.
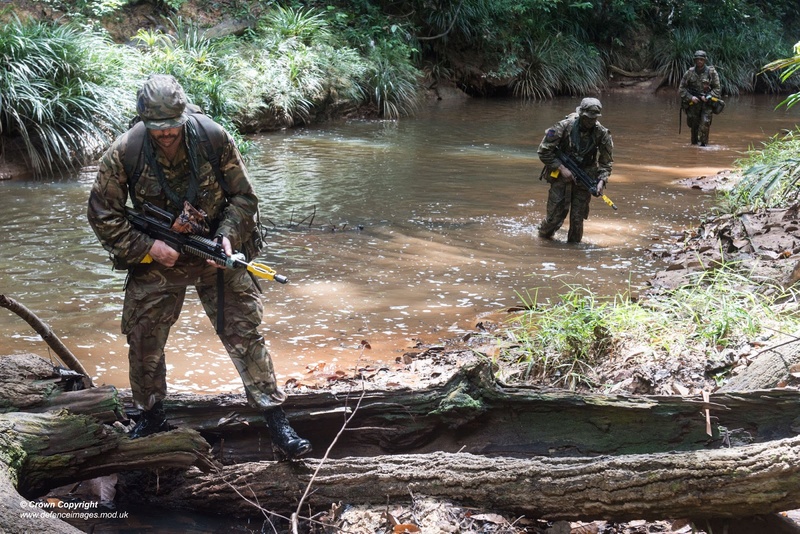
(67, 87)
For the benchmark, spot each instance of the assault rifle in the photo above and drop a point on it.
(581, 177)
(157, 223)
(708, 96)
(717, 104)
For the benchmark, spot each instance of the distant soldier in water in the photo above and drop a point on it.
(589, 143)
(697, 88)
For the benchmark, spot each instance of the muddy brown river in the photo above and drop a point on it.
(390, 232)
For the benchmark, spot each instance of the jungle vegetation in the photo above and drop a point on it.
(68, 88)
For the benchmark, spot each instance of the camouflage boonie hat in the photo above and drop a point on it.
(161, 102)
(700, 54)
(590, 107)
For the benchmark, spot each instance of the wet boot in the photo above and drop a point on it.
(286, 444)
(694, 136)
(151, 421)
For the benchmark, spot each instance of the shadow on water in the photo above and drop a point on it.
(448, 203)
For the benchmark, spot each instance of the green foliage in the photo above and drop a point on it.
(770, 176)
(296, 68)
(736, 56)
(59, 98)
(562, 344)
(391, 80)
(561, 65)
(791, 72)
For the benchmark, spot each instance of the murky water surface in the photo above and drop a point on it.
(389, 232)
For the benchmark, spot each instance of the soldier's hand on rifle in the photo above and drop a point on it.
(566, 173)
(163, 253)
(226, 246)
(695, 100)
(601, 185)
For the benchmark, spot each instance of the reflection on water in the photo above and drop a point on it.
(407, 230)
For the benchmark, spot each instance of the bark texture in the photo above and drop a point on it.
(736, 482)
(772, 367)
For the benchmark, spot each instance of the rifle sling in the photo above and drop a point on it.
(220, 326)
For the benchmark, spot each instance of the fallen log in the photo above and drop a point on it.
(722, 483)
(44, 451)
(501, 431)
(469, 411)
(31, 383)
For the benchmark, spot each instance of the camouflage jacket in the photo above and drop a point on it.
(693, 81)
(593, 149)
(231, 214)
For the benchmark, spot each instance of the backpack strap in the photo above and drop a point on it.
(133, 161)
(212, 139)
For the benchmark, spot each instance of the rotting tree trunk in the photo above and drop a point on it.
(467, 412)
(51, 450)
(32, 384)
(44, 451)
(472, 413)
(743, 481)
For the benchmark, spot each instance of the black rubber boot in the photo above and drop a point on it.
(286, 444)
(151, 421)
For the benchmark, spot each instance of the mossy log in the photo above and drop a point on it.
(471, 412)
(32, 384)
(734, 482)
(39, 452)
(45, 451)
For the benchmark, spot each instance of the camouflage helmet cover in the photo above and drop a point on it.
(590, 107)
(700, 54)
(161, 102)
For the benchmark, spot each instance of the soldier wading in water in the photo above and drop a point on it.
(177, 175)
(699, 85)
(589, 143)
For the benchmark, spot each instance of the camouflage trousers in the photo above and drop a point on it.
(565, 198)
(698, 118)
(154, 296)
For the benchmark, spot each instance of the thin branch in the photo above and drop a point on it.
(47, 335)
(452, 23)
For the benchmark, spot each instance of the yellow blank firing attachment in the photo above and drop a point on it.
(259, 269)
(609, 202)
(554, 175)
(264, 271)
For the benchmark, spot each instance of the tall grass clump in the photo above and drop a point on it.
(555, 65)
(297, 68)
(59, 98)
(391, 81)
(770, 176)
(563, 343)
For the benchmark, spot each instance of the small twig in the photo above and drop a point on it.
(364, 346)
